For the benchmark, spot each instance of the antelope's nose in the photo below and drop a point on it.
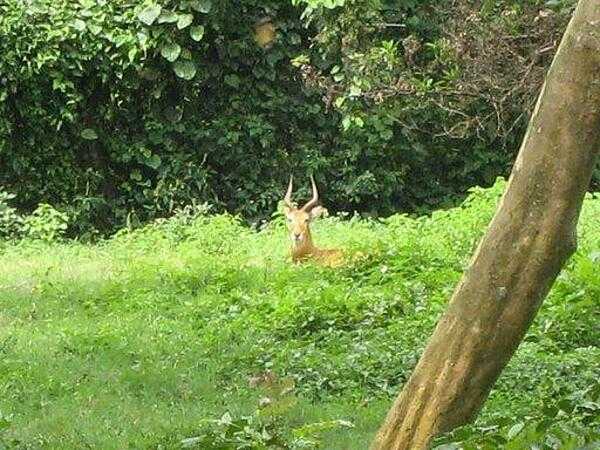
(297, 236)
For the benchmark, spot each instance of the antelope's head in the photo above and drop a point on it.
(298, 219)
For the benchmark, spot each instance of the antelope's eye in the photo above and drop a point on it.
(289, 219)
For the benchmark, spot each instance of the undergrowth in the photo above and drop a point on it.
(198, 332)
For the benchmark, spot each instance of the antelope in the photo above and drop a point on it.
(298, 223)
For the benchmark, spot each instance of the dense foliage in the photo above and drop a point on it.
(121, 111)
(197, 331)
(127, 110)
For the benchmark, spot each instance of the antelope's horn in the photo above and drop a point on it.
(288, 195)
(315, 198)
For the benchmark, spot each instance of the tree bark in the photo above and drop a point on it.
(530, 238)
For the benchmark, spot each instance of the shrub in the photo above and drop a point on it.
(133, 109)
(45, 223)
(10, 220)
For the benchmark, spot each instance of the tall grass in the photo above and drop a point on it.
(137, 340)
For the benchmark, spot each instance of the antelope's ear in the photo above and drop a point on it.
(318, 211)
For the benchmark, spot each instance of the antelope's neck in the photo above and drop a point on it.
(304, 249)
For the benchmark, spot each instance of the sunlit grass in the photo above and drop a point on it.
(133, 342)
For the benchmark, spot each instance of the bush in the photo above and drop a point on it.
(119, 112)
(45, 223)
(10, 220)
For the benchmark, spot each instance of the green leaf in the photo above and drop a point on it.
(168, 17)
(89, 134)
(233, 81)
(94, 29)
(346, 122)
(142, 38)
(5, 421)
(132, 54)
(170, 51)
(154, 161)
(86, 13)
(355, 91)
(185, 20)
(331, 4)
(135, 175)
(196, 33)
(566, 405)
(515, 429)
(202, 6)
(185, 69)
(79, 24)
(550, 411)
(300, 60)
(186, 54)
(150, 14)
(543, 425)
(191, 442)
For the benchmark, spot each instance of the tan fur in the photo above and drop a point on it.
(304, 248)
(298, 222)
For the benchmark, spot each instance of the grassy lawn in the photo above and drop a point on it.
(136, 341)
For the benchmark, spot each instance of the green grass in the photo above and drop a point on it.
(136, 341)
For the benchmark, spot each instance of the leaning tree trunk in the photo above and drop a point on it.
(528, 241)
